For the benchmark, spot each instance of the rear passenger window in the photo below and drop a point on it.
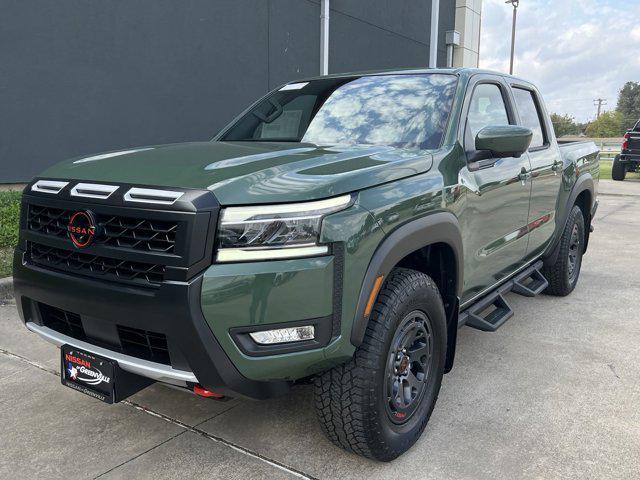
(487, 108)
(530, 115)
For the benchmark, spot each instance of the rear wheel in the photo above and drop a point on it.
(563, 274)
(378, 404)
(618, 169)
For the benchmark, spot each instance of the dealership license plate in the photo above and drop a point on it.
(88, 373)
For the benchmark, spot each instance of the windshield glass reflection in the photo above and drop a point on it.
(406, 111)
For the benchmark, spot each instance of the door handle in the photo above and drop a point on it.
(523, 175)
(557, 166)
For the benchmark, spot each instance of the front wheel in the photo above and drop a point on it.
(378, 404)
(618, 170)
(563, 274)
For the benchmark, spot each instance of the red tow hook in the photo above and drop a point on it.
(203, 392)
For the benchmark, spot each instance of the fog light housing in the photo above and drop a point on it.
(284, 335)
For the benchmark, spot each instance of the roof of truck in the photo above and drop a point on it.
(408, 71)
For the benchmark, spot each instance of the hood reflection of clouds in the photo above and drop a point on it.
(398, 110)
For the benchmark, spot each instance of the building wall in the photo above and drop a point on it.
(83, 77)
(468, 15)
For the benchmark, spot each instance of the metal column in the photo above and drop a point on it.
(433, 43)
(324, 37)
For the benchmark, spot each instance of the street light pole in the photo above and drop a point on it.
(515, 4)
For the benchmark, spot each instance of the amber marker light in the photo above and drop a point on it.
(373, 295)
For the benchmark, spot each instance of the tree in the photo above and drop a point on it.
(565, 125)
(608, 124)
(629, 104)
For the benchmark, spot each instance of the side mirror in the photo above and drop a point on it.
(504, 140)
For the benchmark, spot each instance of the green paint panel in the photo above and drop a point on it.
(242, 173)
(360, 234)
(292, 290)
(243, 294)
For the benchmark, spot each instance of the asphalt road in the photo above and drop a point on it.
(555, 393)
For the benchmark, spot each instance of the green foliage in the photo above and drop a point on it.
(6, 258)
(629, 104)
(9, 218)
(608, 124)
(565, 125)
(605, 171)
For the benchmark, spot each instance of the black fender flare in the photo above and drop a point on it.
(583, 183)
(440, 227)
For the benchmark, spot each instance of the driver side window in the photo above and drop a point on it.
(487, 108)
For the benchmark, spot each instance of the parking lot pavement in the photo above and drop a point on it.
(552, 394)
(630, 186)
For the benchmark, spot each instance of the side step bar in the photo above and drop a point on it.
(491, 312)
(530, 283)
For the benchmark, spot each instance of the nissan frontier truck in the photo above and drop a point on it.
(339, 231)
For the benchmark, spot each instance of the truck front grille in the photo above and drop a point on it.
(63, 322)
(117, 231)
(134, 342)
(94, 265)
(135, 241)
(144, 344)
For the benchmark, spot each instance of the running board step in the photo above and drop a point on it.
(531, 282)
(492, 311)
(489, 314)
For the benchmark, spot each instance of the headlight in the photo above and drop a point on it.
(274, 231)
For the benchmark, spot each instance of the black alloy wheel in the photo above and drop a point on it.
(408, 366)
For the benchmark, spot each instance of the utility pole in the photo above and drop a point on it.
(599, 102)
(515, 4)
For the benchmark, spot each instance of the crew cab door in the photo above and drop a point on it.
(546, 168)
(497, 192)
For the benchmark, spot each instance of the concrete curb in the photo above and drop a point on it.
(619, 194)
(6, 289)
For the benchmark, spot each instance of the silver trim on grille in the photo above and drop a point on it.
(151, 195)
(93, 190)
(48, 186)
(153, 370)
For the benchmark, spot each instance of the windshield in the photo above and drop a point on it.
(396, 110)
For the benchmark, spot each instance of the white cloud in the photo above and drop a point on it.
(573, 50)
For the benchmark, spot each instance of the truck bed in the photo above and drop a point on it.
(573, 151)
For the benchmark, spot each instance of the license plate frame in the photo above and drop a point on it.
(88, 373)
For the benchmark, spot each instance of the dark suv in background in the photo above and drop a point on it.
(629, 158)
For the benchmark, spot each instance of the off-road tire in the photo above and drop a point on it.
(351, 399)
(618, 169)
(562, 280)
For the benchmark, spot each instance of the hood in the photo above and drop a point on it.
(250, 172)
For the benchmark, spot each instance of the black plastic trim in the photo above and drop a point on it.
(440, 227)
(583, 183)
(196, 212)
(173, 310)
(249, 347)
(338, 278)
(192, 200)
(472, 315)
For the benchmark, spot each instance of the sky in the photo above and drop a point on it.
(573, 50)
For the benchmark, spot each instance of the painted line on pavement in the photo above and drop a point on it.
(153, 413)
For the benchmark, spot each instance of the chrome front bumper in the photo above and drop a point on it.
(155, 371)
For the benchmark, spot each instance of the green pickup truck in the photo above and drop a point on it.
(339, 231)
